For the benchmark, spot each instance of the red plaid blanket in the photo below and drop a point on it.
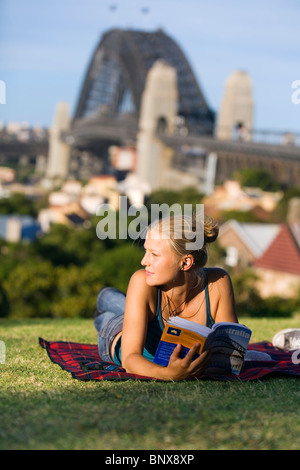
(84, 363)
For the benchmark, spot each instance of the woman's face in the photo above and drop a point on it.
(160, 261)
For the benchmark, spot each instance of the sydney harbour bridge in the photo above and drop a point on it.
(114, 109)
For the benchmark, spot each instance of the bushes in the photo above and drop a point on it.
(4, 303)
(255, 177)
(43, 290)
(76, 291)
(118, 264)
(250, 303)
(61, 275)
(29, 289)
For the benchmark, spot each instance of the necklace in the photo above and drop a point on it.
(191, 316)
(174, 312)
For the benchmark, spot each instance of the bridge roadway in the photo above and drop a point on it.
(88, 132)
(238, 147)
(283, 161)
(84, 136)
(124, 128)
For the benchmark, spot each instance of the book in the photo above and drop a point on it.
(228, 341)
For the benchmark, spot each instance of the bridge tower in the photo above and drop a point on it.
(59, 151)
(158, 112)
(235, 118)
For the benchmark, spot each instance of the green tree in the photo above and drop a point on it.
(18, 204)
(76, 291)
(64, 245)
(118, 264)
(30, 288)
(281, 211)
(14, 254)
(254, 177)
(240, 216)
(247, 298)
(188, 195)
(249, 301)
(44, 290)
(4, 303)
(216, 254)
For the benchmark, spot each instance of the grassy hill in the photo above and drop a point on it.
(43, 407)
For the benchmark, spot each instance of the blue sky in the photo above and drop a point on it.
(45, 48)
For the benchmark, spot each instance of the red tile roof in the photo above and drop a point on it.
(283, 254)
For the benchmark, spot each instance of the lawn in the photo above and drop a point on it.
(43, 407)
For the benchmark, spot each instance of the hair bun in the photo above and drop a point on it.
(211, 230)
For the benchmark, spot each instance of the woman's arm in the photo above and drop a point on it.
(222, 296)
(134, 332)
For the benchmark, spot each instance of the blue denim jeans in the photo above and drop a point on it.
(109, 322)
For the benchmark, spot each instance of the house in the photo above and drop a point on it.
(7, 175)
(99, 190)
(74, 204)
(70, 214)
(279, 265)
(14, 228)
(245, 242)
(231, 196)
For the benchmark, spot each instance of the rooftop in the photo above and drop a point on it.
(283, 254)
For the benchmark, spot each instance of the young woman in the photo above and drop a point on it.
(173, 282)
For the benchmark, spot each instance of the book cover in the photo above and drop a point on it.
(229, 342)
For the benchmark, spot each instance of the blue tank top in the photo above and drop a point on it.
(156, 326)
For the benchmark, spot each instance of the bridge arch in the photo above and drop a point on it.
(115, 79)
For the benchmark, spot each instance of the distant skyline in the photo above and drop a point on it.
(45, 49)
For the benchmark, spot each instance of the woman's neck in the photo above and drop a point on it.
(177, 296)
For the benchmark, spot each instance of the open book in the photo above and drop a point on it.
(228, 341)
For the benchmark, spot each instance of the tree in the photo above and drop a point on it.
(19, 204)
(281, 211)
(118, 264)
(65, 246)
(76, 291)
(30, 289)
(4, 303)
(188, 195)
(240, 216)
(254, 177)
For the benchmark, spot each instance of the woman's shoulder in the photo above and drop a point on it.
(138, 281)
(138, 277)
(220, 288)
(139, 289)
(221, 295)
(218, 276)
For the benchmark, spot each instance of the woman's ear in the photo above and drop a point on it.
(187, 263)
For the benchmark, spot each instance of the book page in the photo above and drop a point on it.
(189, 325)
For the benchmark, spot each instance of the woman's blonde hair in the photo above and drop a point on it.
(183, 231)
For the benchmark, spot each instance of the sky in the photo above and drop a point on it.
(46, 46)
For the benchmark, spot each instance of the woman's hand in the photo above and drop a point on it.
(180, 369)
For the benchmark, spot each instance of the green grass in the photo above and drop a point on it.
(43, 407)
